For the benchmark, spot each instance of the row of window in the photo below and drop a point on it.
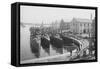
(85, 24)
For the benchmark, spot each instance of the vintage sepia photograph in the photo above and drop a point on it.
(52, 34)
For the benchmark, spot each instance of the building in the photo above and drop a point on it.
(81, 26)
(93, 28)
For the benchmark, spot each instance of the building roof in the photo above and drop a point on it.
(82, 20)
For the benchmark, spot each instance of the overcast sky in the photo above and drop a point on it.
(36, 14)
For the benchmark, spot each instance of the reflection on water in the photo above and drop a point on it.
(25, 48)
(25, 44)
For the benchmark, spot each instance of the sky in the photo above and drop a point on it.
(47, 15)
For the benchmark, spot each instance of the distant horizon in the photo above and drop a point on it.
(55, 21)
(47, 15)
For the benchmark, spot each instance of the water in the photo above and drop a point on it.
(27, 55)
(25, 50)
